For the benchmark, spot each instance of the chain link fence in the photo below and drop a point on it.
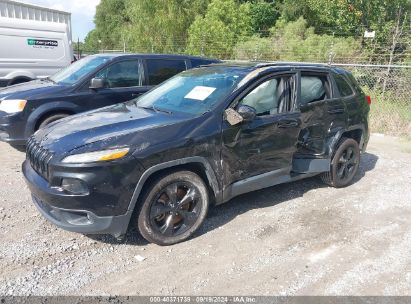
(388, 85)
(390, 89)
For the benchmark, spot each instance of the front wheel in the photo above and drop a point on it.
(173, 208)
(52, 118)
(344, 164)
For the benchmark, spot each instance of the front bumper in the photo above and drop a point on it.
(83, 221)
(48, 201)
(12, 128)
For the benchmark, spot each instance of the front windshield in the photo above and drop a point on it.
(196, 91)
(71, 74)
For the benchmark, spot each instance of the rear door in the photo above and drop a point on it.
(157, 70)
(321, 113)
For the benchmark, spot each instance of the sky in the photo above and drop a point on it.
(82, 13)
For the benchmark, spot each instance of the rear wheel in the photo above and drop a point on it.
(344, 164)
(173, 208)
(51, 118)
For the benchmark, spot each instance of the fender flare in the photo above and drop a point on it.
(43, 109)
(212, 180)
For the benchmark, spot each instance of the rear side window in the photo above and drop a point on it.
(314, 88)
(343, 86)
(159, 70)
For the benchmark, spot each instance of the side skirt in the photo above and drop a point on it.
(261, 181)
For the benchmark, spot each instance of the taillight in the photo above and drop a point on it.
(368, 98)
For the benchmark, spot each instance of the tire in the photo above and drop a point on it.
(344, 164)
(20, 148)
(50, 119)
(164, 219)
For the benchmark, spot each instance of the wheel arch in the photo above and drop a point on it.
(51, 113)
(197, 164)
(356, 132)
(45, 110)
(19, 79)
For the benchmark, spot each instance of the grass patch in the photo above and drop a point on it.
(389, 115)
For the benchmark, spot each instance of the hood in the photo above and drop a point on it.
(31, 90)
(103, 124)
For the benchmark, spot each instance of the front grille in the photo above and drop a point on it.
(38, 157)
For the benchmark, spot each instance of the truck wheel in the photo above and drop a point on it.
(344, 164)
(51, 118)
(173, 208)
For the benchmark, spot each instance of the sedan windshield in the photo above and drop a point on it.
(196, 91)
(74, 72)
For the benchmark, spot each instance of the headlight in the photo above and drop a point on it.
(97, 156)
(12, 105)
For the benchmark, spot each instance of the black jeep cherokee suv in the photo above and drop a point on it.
(205, 135)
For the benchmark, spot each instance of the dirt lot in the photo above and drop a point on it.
(295, 239)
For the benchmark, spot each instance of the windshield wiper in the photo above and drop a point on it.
(162, 110)
(155, 109)
(146, 107)
(48, 79)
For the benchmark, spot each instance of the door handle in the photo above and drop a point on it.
(288, 123)
(336, 111)
(135, 94)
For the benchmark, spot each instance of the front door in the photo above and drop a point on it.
(122, 83)
(267, 143)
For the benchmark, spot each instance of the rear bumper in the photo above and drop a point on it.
(76, 219)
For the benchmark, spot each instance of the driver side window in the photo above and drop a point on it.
(271, 97)
(121, 74)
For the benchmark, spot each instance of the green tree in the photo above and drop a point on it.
(92, 42)
(112, 22)
(264, 15)
(161, 25)
(225, 23)
(296, 41)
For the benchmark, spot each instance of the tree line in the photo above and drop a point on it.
(310, 30)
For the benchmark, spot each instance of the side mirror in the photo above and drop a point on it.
(246, 112)
(97, 83)
(243, 113)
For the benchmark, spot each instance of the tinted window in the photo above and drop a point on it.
(343, 86)
(121, 74)
(159, 70)
(314, 88)
(272, 96)
(79, 69)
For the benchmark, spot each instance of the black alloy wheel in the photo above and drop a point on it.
(174, 208)
(344, 164)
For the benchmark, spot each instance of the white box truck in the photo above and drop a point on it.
(35, 42)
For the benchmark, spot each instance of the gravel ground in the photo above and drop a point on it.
(301, 238)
